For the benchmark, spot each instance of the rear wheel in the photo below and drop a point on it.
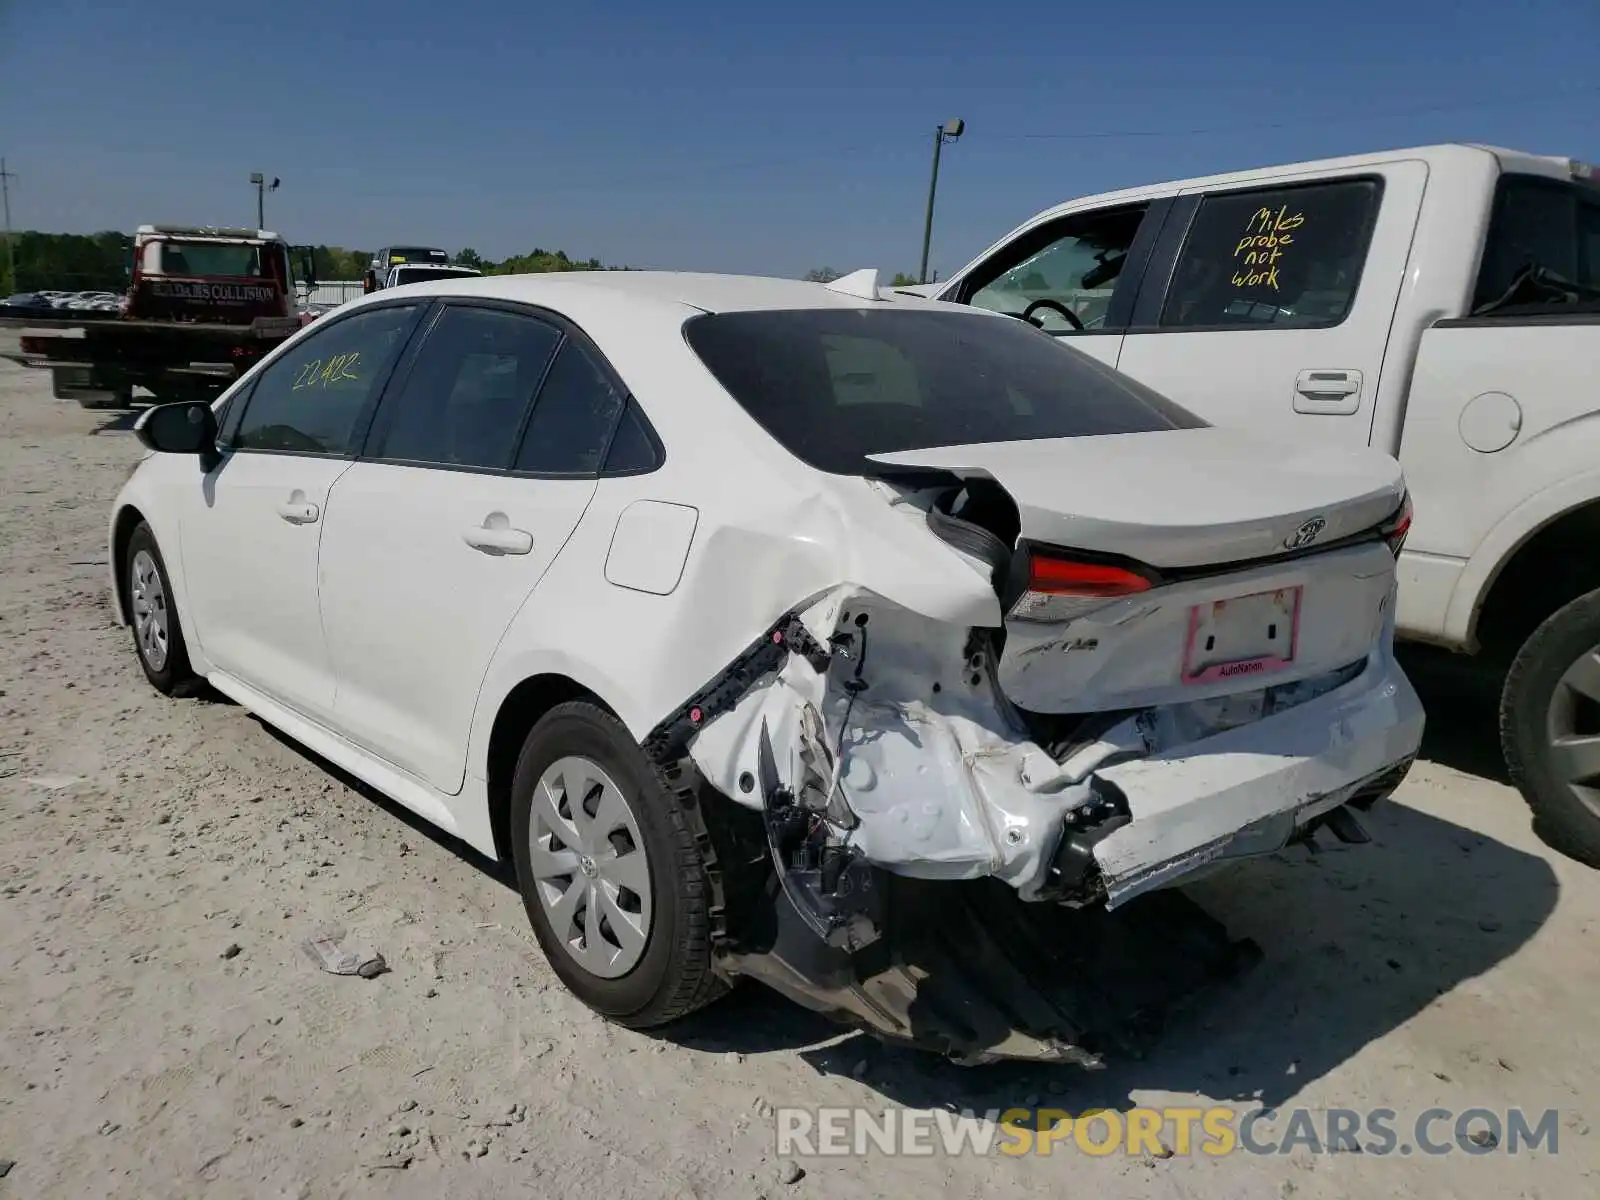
(157, 635)
(610, 871)
(1550, 727)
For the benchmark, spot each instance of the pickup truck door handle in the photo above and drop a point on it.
(495, 536)
(297, 511)
(1327, 392)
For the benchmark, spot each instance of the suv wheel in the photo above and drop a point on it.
(1550, 727)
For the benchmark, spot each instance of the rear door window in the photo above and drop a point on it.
(467, 393)
(573, 418)
(1288, 257)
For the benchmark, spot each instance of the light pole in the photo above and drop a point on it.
(262, 188)
(948, 132)
(5, 191)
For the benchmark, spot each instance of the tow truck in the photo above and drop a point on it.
(204, 303)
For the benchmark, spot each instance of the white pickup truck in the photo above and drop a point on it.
(1441, 304)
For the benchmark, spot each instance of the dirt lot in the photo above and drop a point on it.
(161, 1033)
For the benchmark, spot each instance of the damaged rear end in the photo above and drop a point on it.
(1187, 660)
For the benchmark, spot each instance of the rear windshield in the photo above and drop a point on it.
(210, 258)
(423, 274)
(834, 385)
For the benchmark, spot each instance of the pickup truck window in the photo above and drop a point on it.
(1061, 275)
(310, 399)
(1288, 257)
(1543, 248)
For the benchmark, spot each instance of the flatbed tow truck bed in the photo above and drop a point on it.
(90, 353)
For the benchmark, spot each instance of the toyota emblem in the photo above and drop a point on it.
(1306, 534)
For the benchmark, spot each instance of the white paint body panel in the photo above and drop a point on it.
(1182, 497)
(1473, 509)
(256, 614)
(643, 588)
(414, 614)
(650, 546)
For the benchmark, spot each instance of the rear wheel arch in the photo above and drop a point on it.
(518, 713)
(1560, 556)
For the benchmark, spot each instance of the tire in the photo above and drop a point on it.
(1551, 702)
(159, 642)
(578, 747)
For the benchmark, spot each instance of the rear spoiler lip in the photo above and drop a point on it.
(1159, 577)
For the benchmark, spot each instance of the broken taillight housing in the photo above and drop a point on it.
(1394, 530)
(1061, 588)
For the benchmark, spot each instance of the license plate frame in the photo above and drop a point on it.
(1204, 663)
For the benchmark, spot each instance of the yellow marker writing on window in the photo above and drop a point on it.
(321, 372)
(1266, 237)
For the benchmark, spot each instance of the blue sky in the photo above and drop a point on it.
(745, 137)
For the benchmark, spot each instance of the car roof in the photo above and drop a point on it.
(707, 292)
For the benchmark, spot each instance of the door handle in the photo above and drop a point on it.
(495, 536)
(1334, 393)
(297, 512)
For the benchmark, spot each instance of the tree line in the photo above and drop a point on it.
(87, 262)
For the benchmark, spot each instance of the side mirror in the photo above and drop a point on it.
(187, 427)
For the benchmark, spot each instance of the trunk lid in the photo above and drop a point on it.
(1179, 498)
(1237, 599)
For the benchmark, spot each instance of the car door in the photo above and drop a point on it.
(251, 535)
(1075, 275)
(481, 461)
(1268, 304)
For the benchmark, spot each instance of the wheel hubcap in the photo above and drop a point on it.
(1573, 729)
(589, 867)
(150, 614)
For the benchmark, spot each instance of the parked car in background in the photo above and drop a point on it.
(405, 273)
(394, 256)
(1441, 304)
(730, 609)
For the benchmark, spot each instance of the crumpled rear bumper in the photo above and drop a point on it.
(1249, 790)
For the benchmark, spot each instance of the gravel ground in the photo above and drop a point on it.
(162, 1034)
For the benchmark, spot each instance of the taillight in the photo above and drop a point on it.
(1394, 530)
(1062, 588)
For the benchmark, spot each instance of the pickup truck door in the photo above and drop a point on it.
(1311, 266)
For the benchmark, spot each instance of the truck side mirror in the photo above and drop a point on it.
(186, 427)
(306, 266)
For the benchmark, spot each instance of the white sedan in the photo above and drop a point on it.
(771, 629)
